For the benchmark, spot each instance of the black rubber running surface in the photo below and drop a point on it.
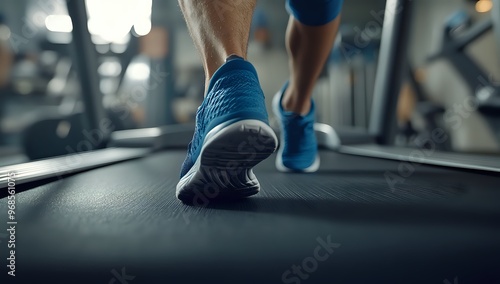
(436, 226)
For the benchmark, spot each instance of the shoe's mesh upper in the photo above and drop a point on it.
(300, 145)
(233, 92)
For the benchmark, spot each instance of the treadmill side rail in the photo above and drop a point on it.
(59, 167)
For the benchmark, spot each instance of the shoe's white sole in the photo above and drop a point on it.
(279, 157)
(223, 170)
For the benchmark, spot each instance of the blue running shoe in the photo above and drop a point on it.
(298, 150)
(232, 135)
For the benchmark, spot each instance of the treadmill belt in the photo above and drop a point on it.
(357, 220)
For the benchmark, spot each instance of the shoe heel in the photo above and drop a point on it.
(224, 169)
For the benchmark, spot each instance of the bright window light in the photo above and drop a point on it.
(59, 23)
(112, 20)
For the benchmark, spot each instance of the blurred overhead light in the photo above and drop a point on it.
(138, 71)
(483, 6)
(142, 27)
(110, 68)
(59, 23)
(118, 48)
(124, 40)
(112, 20)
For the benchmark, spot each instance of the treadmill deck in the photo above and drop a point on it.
(431, 226)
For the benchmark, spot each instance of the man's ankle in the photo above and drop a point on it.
(234, 56)
(294, 103)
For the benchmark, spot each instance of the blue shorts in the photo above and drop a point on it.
(314, 12)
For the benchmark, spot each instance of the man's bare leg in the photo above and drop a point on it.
(232, 132)
(311, 32)
(308, 48)
(219, 28)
